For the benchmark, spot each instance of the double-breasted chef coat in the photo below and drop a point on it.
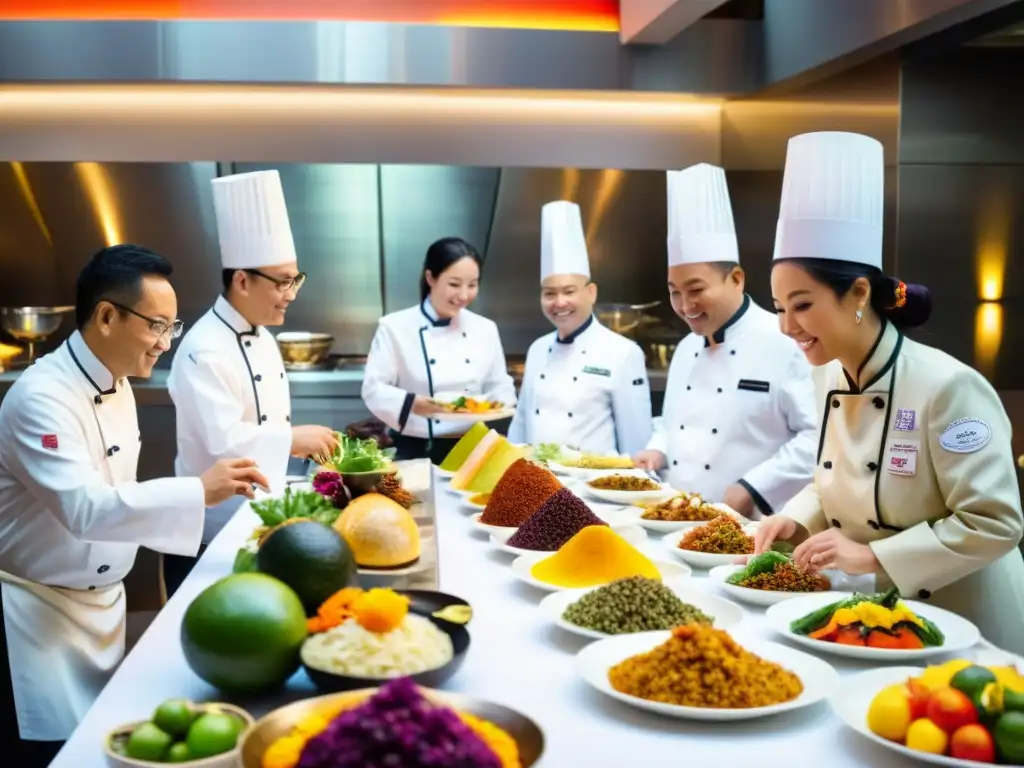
(72, 518)
(914, 459)
(415, 353)
(589, 390)
(739, 410)
(232, 400)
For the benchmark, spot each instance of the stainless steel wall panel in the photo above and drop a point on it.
(335, 216)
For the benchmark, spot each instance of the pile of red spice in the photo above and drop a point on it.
(559, 518)
(518, 494)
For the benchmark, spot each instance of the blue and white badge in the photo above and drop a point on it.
(965, 435)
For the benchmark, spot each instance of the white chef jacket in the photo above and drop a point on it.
(72, 518)
(915, 460)
(415, 353)
(740, 410)
(232, 400)
(589, 390)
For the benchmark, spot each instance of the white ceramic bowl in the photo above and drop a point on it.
(497, 530)
(703, 560)
(663, 491)
(522, 565)
(726, 614)
(761, 597)
(227, 759)
(818, 677)
(959, 633)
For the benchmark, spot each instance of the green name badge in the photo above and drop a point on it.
(597, 371)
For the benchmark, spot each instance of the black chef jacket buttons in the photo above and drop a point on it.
(282, 374)
(924, 594)
(879, 402)
(707, 466)
(288, 418)
(574, 378)
(835, 403)
(467, 359)
(92, 587)
(432, 361)
(103, 569)
(687, 387)
(714, 431)
(542, 375)
(719, 389)
(873, 525)
(113, 449)
(258, 377)
(537, 412)
(695, 354)
(827, 465)
(463, 334)
(732, 351)
(98, 399)
(680, 426)
(872, 466)
(437, 421)
(570, 415)
(248, 343)
(836, 523)
(263, 417)
(675, 463)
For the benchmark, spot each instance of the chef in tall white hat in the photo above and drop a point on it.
(227, 379)
(915, 480)
(584, 385)
(738, 425)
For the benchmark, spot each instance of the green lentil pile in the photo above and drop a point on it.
(633, 604)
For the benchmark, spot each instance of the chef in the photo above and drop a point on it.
(227, 379)
(915, 481)
(72, 515)
(738, 424)
(584, 385)
(436, 349)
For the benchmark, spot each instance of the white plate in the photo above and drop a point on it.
(634, 534)
(959, 632)
(851, 704)
(459, 492)
(725, 612)
(635, 514)
(761, 597)
(818, 677)
(696, 559)
(443, 474)
(521, 570)
(472, 504)
(627, 497)
(498, 530)
(472, 418)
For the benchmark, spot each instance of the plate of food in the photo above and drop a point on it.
(878, 627)
(354, 727)
(680, 673)
(718, 542)
(679, 512)
(963, 713)
(626, 488)
(767, 579)
(637, 604)
(457, 407)
(571, 462)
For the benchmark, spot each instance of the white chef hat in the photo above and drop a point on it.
(700, 223)
(252, 221)
(832, 199)
(563, 246)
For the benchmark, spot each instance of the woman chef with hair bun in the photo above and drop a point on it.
(915, 479)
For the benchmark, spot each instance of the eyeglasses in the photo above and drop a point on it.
(159, 327)
(285, 284)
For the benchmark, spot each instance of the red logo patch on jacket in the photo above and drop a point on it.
(50, 442)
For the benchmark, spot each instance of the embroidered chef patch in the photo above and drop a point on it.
(901, 457)
(597, 371)
(965, 435)
(906, 420)
(50, 442)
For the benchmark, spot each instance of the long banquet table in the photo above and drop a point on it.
(516, 658)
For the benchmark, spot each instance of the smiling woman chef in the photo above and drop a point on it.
(72, 515)
(437, 346)
(915, 480)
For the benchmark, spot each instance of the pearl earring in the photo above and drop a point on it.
(860, 315)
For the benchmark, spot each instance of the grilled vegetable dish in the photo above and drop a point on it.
(875, 621)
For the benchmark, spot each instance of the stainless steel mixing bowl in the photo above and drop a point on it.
(32, 324)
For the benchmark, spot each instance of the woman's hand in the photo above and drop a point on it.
(830, 550)
(425, 407)
(771, 529)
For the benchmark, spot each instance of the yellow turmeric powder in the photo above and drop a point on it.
(594, 556)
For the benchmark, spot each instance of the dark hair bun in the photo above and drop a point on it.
(909, 310)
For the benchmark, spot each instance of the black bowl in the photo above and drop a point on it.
(422, 603)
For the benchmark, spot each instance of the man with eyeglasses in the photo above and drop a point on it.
(72, 515)
(227, 379)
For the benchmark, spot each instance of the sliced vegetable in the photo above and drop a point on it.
(296, 504)
(766, 562)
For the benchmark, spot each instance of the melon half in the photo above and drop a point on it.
(475, 460)
(499, 460)
(457, 455)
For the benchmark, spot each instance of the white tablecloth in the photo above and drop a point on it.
(516, 658)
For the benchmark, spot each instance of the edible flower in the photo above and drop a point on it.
(334, 611)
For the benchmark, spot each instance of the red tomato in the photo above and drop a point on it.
(950, 709)
(973, 742)
(919, 695)
(849, 636)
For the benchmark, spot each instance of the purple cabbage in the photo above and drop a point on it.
(398, 728)
(332, 486)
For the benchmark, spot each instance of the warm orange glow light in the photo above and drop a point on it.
(988, 337)
(578, 15)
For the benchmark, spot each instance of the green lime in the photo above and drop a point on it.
(148, 742)
(212, 734)
(175, 716)
(179, 753)
(1009, 737)
(972, 680)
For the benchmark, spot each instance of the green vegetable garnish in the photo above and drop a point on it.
(548, 452)
(245, 562)
(354, 455)
(293, 504)
(766, 562)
